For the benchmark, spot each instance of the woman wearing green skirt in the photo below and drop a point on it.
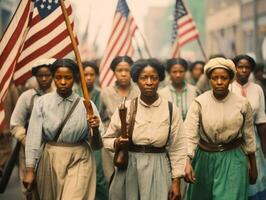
(221, 139)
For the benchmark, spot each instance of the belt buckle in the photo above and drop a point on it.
(221, 147)
(143, 149)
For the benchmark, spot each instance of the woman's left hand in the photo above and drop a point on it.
(253, 172)
(175, 193)
(93, 121)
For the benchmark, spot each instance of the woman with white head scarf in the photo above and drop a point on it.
(219, 128)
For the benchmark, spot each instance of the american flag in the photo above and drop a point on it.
(37, 30)
(119, 43)
(184, 28)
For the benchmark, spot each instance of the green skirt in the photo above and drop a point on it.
(219, 176)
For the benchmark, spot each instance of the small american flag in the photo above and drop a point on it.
(37, 30)
(184, 28)
(119, 43)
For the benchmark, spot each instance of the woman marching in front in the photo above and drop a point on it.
(150, 173)
(220, 123)
(66, 168)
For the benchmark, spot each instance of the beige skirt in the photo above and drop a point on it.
(66, 172)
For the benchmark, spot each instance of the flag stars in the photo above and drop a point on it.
(56, 1)
(50, 1)
(42, 6)
(49, 7)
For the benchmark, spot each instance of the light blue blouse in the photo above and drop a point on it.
(48, 113)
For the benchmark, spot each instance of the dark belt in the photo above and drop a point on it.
(61, 144)
(205, 146)
(146, 149)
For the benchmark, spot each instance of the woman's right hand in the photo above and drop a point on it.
(121, 143)
(189, 172)
(29, 178)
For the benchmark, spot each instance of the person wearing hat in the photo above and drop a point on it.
(221, 139)
(178, 91)
(59, 120)
(254, 93)
(21, 114)
(156, 144)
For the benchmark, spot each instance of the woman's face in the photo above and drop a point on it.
(148, 82)
(243, 70)
(64, 80)
(177, 74)
(122, 73)
(90, 76)
(44, 78)
(197, 71)
(220, 80)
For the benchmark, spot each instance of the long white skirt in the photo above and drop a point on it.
(147, 177)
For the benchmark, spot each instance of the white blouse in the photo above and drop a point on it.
(223, 121)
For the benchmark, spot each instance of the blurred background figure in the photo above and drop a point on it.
(196, 70)
(242, 86)
(91, 73)
(178, 90)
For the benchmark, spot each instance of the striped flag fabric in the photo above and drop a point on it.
(37, 30)
(184, 28)
(119, 43)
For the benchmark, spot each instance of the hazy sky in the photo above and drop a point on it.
(100, 15)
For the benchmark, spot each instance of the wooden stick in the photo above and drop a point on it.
(138, 47)
(202, 50)
(145, 44)
(96, 141)
(76, 51)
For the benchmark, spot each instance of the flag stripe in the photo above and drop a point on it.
(184, 29)
(14, 36)
(111, 54)
(60, 54)
(12, 26)
(114, 40)
(44, 32)
(42, 49)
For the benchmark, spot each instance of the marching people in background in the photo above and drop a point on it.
(5, 136)
(254, 93)
(112, 96)
(91, 72)
(178, 91)
(203, 83)
(196, 70)
(220, 123)
(156, 143)
(260, 77)
(22, 112)
(66, 167)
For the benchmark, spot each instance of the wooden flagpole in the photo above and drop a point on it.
(87, 103)
(138, 47)
(145, 44)
(202, 50)
(198, 39)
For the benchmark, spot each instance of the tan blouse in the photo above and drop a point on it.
(151, 128)
(222, 121)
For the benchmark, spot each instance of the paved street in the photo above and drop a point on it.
(13, 189)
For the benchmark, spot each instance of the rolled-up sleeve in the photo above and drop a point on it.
(34, 135)
(177, 145)
(248, 130)
(112, 131)
(192, 128)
